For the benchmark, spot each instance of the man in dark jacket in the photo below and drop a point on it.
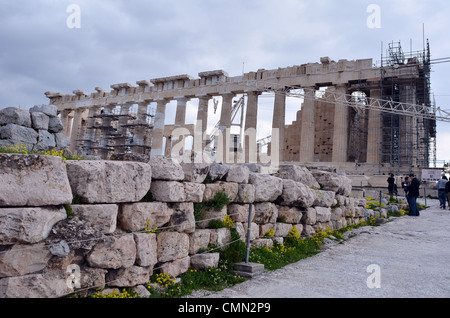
(413, 194)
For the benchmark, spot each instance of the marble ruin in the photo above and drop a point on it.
(336, 124)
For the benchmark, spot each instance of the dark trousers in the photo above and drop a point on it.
(442, 197)
(413, 208)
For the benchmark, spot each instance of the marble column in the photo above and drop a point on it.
(341, 126)
(202, 122)
(308, 127)
(374, 129)
(158, 129)
(66, 120)
(225, 128)
(76, 127)
(251, 122)
(278, 122)
(90, 130)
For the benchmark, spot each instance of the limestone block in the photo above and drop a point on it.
(129, 277)
(28, 225)
(46, 141)
(18, 133)
(209, 215)
(325, 198)
(262, 242)
(336, 214)
(177, 267)
(323, 214)
(195, 172)
(239, 212)
(137, 216)
(55, 125)
(30, 180)
(291, 215)
(309, 216)
(205, 261)
(254, 231)
(265, 212)
(49, 110)
(92, 277)
(109, 181)
(238, 174)
(199, 240)
(39, 121)
(101, 217)
(15, 115)
(298, 174)
(297, 194)
(146, 249)
(229, 188)
(267, 188)
(113, 253)
(265, 228)
(217, 171)
(246, 193)
(333, 182)
(308, 230)
(168, 191)
(194, 191)
(172, 246)
(62, 141)
(183, 219)
(282, 229)
(33, 286)
(220, 237)
(166, 169)
(19, 260)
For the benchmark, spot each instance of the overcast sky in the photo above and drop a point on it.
(120, 41)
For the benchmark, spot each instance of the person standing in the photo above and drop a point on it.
(391, 184)
(413, 194)
(442, 194)
(447, 191)
(405, 185)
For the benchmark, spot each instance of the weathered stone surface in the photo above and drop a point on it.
(19, 260)
(28, 225)
(209, 215)
(298, 174)
(204, 261)
(101, 217)
(265, 212)
(333, 182)
(46, 141)
(30, 180)
(267, 188)
(262, 242)
(290, 215)
(220, 237)
(254, 231)
(195, 172)
(239, 212)
(55, 125)
(33, 286)
(194, 191)
(172, 246)
(166, 169)
(217, 171)
(238, 174)
(49, 110)
(92, 277)
(113, 253)
(229, 188)
(137, 216)
(308, 230)
(199, 240)
(109, 181)
(183, 219)
(309, 216)
(15, 115)
(246, 193)
(168, 191)
(146, 249)
(39, 120)
(282, 229)
(323, 214)
(177, 267)
(336, 214)
(297, 194)
(62, 141)
(129, 277)
(325, 198)
(19, 133)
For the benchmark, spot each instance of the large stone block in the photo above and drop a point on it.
(146, 249)
(15, 115)
(172, 246)
(137, 216)
(298, 174)
(168, 191)
(49, 110)
(199, 240)
(217, 171)
(55, 125)
(19, 260)
(166, 169)
(267, 188)
(323, 214)
(229, 188)
(297, 194)
(30, 180)
(309, 216)
(265, 212)
(176, 267)
(33, 286)
(290, 215)
(109, 181)
(209, 215)
(238, 174)
(28, 225)
(100, 217)
(239, 212)
(46, 141)
(129, 277)
(194, 191)
(195, 172)
(113, 253)
(333, 182)
(19, 133)
(246, 193)
(183, 219)
(205, 261)
(39, 120)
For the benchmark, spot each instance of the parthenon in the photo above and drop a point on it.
(335, 123)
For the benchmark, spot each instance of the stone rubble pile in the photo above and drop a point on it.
(38, 129)
(89, 219)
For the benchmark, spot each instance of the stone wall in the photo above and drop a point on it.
(37, 129)
(82, 224)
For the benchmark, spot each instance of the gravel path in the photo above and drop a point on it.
(411, 254)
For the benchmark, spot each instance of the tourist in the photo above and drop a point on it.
(447, 191)
(391, 185)
(413, 194)
(442, 195)
(405, 185)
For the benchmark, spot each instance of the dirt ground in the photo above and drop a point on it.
(407, 257)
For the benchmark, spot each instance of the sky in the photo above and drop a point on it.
(66, 45)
